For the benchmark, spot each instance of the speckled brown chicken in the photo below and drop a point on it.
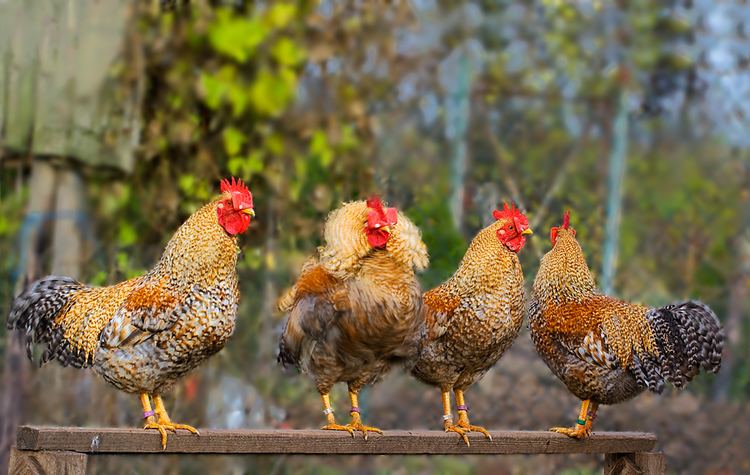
(353, 312)
(143, 334)
(473, 318)
(606, 350)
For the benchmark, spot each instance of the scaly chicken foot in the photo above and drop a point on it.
(158, 419)
(164, 419)
(463, 416)
(356, 422)
(330, 419)
(448, 424)
(582, 429)
(148, 415)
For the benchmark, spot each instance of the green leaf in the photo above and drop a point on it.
(253, 258)
(235, 164)
(287, 52)
(4, 225)
(271, 93)
(275, 144)
(234, 139)
(239, 98)
(99, 279)
(213, 88)
(186, 183)
(127, 234)
(349, 139)
(246, 166)
(319, 148)
(236, 36)
(122, 260)
(255, 162)
(280, 14)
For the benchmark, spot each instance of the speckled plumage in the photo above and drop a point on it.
(353, 311)
(606, 350)
(143, 334)
(474, 317)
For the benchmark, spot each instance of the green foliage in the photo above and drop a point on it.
(236, 36)
(446, 244)
(314, 105)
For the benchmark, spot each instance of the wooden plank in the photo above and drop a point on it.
(645, 463)
(112, 440)
(26, 463)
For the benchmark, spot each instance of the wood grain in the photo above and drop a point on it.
(652, 463)
(24, 462)
(318, 442)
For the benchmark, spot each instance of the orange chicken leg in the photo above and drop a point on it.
(448, 419)
(356, 422)
(582, 429)
(463, 416)
(158, 418)
(330, 419)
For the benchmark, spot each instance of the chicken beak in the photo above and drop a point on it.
(249, 211)
(527, 232)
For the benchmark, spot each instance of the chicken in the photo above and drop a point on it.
(472, 319)
(606, 350)
(144, 334)
(353, 311)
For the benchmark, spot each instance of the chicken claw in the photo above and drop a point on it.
(162, 430)
(334, 426)
(463, 416)
(470, 428)
(172, 427)
(357, 425)
(164, 423)
(585, 421)
(577, 432)
(450, 427)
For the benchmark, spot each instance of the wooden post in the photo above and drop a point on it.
(46, 462)
(645, 463)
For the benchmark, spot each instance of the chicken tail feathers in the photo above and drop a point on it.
(308, 323)
(689, 338)
(34, 313)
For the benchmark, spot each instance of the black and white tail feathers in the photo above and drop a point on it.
(689, 338)
(34, 312)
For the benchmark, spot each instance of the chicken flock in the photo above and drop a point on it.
(356, 311)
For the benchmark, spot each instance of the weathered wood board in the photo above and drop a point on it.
(110, 440)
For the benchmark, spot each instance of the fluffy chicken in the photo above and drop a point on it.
(605, 350)
(472, 319)
(144, 334)
(353, 312)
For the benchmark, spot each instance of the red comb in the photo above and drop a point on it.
(241, 196)
(375, 203)
(565, 225)
(382, 215)
(566, 219)
(508, 212)
(235, 185)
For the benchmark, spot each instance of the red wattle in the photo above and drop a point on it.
(377, 238)
(233, 222)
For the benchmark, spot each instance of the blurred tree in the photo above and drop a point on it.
(314, 103)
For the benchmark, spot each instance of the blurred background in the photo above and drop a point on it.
(117, 120)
